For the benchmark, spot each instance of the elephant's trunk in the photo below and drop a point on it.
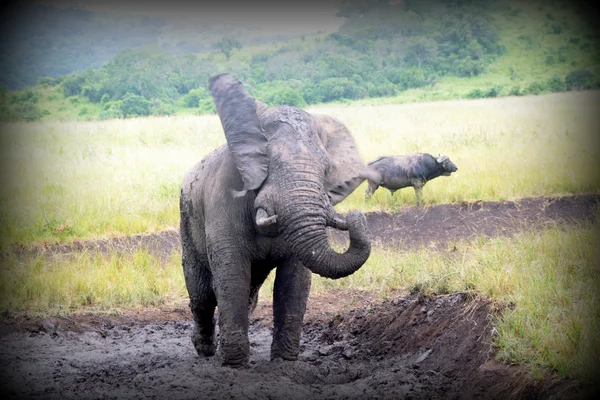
(306, 232)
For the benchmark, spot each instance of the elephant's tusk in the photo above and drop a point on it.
(263, 220)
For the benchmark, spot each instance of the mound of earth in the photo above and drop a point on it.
(413, 347)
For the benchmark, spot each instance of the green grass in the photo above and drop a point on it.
(81, 180)
(90, 282)
(548, 281)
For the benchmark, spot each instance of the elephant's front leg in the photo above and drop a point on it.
(290, 294)
(231, 283)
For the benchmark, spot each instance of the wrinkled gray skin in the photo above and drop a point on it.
(262, 201)
(414, 170)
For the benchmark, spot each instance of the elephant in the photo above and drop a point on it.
(263, 201)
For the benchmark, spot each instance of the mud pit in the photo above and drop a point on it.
(353, 346)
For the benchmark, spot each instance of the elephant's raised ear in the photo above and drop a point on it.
(346, 170)
(238, 113)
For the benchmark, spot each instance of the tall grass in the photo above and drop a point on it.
(505, 148)
(79, 180)
(89, 281)
(66, 180)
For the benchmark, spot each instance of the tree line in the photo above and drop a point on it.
(381, 50)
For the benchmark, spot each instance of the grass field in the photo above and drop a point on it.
(549, 279)
(65, 181)
(79, 180)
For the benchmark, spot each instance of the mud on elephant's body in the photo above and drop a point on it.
(262, 201)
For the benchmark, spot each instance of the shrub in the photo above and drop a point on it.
(193, 97)
(94, 93)
(206, 106)
(556, 84)
(493, 91)
(134, 105)
(158, 107)
(284, 96)
(112, 109)
(535, 88)
(475, 94)
(72, 84)
(25, 97)
(515, 91)
(29, 112)
(579, 79)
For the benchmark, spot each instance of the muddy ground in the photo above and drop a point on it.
(354, 346)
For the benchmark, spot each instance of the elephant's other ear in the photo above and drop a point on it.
(346, 170)
(238, 113)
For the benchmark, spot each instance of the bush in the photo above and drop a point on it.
(94, 93)
(25, 97)
(193, 97)
(71, 85)
(556, 84)
(407, 78)
(112, 109)
(29, 112)
(284, 96)
(535, 88)
(476, 94)
(578, 80)
(134, 106)
(515, 91)
(493, 92)
(158, 107)
(206, 106)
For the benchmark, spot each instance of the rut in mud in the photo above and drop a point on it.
(353, 346)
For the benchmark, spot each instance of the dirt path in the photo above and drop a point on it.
(353, 346)
(432, 226)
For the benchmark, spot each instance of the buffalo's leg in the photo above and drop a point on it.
(419, 193)
(290, 294)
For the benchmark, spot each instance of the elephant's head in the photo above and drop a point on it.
(298, 165)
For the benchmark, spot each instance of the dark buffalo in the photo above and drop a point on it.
(414, 170)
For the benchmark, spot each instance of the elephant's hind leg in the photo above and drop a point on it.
(203, 305)
(198, 280)
(290, 294)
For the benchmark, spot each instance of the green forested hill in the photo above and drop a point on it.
(41, 40)
(400, 51)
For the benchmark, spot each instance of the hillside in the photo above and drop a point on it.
(49, 41)
(384, 52)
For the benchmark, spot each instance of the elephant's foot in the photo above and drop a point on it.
(204, 348)
(278, 357)
(234, 350)
(285, 351)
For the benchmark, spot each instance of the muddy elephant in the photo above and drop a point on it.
(264, 201)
